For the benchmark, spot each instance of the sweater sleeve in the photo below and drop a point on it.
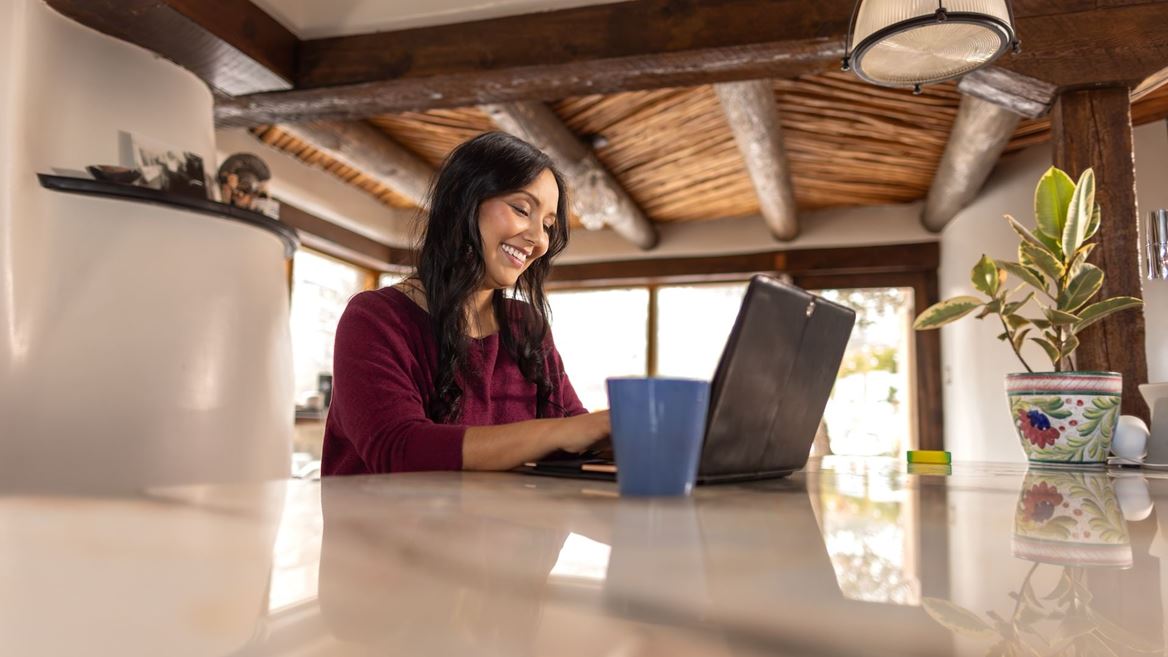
(378, 404)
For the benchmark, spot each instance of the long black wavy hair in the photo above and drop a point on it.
(450, 265)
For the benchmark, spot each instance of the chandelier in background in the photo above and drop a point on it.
(909, 43)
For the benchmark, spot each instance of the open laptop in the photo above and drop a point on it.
(768, 393)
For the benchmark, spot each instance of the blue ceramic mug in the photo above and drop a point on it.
(657, 430)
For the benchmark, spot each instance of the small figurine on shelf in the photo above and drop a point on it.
(243, 182)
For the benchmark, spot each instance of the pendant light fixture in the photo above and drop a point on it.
(908, 43)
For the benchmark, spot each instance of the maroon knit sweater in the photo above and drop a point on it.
(384, 365)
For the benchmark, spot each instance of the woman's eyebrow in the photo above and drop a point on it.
(530, 196)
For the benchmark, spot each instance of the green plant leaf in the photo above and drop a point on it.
(956, 619)
(949, 310)
(1052, 198)
(1080, 258)
(1059, 318)
(1081, 288)
(985, 276)
(1025, 234)
(1052, 352)
(1040, 259)
(1015, 306)
(1020, 338)
(993, 306)
(1040, 324)
(1069, 346)
(1097, 311)
(1093, 225)
(1031, 276)
(1016, 322)
(1080, 212)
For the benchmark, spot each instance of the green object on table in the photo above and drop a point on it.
(935, 469)
(937, 457)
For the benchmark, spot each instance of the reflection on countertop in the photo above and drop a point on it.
(850, 557)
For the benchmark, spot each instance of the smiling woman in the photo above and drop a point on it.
(445, 371)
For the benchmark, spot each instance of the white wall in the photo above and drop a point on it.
(977, 426)
(313, 19)
(859, 226)
(139, 345)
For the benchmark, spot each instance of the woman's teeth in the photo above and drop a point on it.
(518, 256)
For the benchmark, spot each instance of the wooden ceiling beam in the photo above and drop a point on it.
(242, 51)
(370, 151)
(980, 134)
(596, 196)
(646, 44)
(650, 29)
(1091, 43)
(233, 45)
(837, 261)
(753, 115)
(1025, 96)
(607, 48)
(536, 82)
(1151, 84)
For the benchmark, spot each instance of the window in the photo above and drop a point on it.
(871, 409)
(321, 287)
(601, 334)
(390, 278)
(693, 322)
(871, 533)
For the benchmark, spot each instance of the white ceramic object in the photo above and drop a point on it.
(1131, 438)
(1135, 500)
(1156, 395)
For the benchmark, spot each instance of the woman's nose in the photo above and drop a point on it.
(534, 232)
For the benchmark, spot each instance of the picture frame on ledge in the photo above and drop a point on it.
(162, 166)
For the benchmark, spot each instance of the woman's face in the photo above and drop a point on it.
(515, 227)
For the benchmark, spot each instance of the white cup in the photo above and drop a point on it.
(1156, 394)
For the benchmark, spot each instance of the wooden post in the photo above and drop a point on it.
(1093, 128)
(930, 409)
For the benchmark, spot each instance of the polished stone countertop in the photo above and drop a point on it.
(851, 557)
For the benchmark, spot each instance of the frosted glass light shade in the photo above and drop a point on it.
(914, 42)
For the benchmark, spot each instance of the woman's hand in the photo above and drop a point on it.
(584, 431)
(505, 446)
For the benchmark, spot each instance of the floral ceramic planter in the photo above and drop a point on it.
(1065, 418)
(1072, 519)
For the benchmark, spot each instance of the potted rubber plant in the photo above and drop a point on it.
(1062, 415)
